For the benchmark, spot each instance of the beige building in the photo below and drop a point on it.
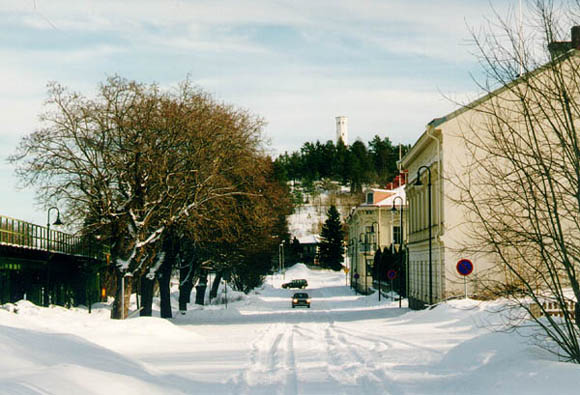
(449, 165)
(372, 225)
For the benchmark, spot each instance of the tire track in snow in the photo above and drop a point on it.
(291, 386)
(388, 342)
(358, 359)
(271, 367)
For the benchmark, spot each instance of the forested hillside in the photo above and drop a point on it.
(355, 165)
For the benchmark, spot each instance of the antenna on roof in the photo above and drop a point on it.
(521, 37)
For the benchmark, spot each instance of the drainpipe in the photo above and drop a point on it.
(429, 134)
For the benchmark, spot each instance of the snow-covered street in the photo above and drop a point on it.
(344, 344)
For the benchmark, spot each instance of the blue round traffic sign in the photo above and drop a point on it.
(464, 267)
(392, 274)
(356, 276)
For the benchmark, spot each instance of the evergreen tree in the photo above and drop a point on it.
(341, 162)
(384, 157)
(355, 165)
(331, 244)
(360, 166)
(387, 262)
(377, 269)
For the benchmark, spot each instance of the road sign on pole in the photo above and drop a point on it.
(391, 275)
(464, 268)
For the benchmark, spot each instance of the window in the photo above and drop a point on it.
(396, 235)
(369, 268)
(370, 198)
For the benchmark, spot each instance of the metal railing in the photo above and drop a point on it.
(14, 232)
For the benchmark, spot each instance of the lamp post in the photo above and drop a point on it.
(281, 268)
(364, 248)
(280, 258)
(57, 222)
(394, 209)
(351, 253)
(355, 274)
(378, 271)
(419, 183)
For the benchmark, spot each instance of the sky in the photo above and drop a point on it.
(390, 66)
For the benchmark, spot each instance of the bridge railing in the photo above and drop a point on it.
(19, 233)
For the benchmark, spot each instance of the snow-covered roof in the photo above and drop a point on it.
(309, 239)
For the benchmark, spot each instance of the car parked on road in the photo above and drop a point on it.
(298, 284)
(300, 299)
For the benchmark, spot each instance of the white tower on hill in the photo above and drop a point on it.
(342, 129)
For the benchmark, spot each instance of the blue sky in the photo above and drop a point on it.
(386, 65)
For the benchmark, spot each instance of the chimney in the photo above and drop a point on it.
(575, 33)
(558, 48)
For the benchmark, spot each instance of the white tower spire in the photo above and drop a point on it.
(342, 129)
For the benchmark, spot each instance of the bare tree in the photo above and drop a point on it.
(522, 187)
(135, 162)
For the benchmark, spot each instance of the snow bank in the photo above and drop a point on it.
(346, 343)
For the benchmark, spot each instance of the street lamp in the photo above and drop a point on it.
(365, 247)
(354, 269)
(394, 209)
(281, 267)
(419, 183)
(57, 222)
(351, 253)
(378, 271)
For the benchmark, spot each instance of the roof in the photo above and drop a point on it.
(309, 239)
(378, 195)
(393, 199)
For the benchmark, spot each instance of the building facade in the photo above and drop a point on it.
(448, 166)
(373, 225)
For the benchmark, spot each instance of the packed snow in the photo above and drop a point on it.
(344, 344)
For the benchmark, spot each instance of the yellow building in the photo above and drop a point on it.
(449, 166)
(373, 225)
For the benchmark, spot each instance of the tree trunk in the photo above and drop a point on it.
(116, 312)
(116, 309)
(200, 289)
(164, 279)
(146, 296)
(128, 292)
(577, 314)
(215, 285)
(185, 286)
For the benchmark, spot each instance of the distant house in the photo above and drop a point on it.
(309, 246)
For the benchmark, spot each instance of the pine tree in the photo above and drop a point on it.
(331, 244)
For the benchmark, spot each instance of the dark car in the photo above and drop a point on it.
(300, 299)
(298, 284)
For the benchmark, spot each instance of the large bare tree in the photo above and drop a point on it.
(135, 161)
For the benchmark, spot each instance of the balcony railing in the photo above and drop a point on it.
(14, 232)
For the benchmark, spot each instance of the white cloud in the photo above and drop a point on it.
(298, 90)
